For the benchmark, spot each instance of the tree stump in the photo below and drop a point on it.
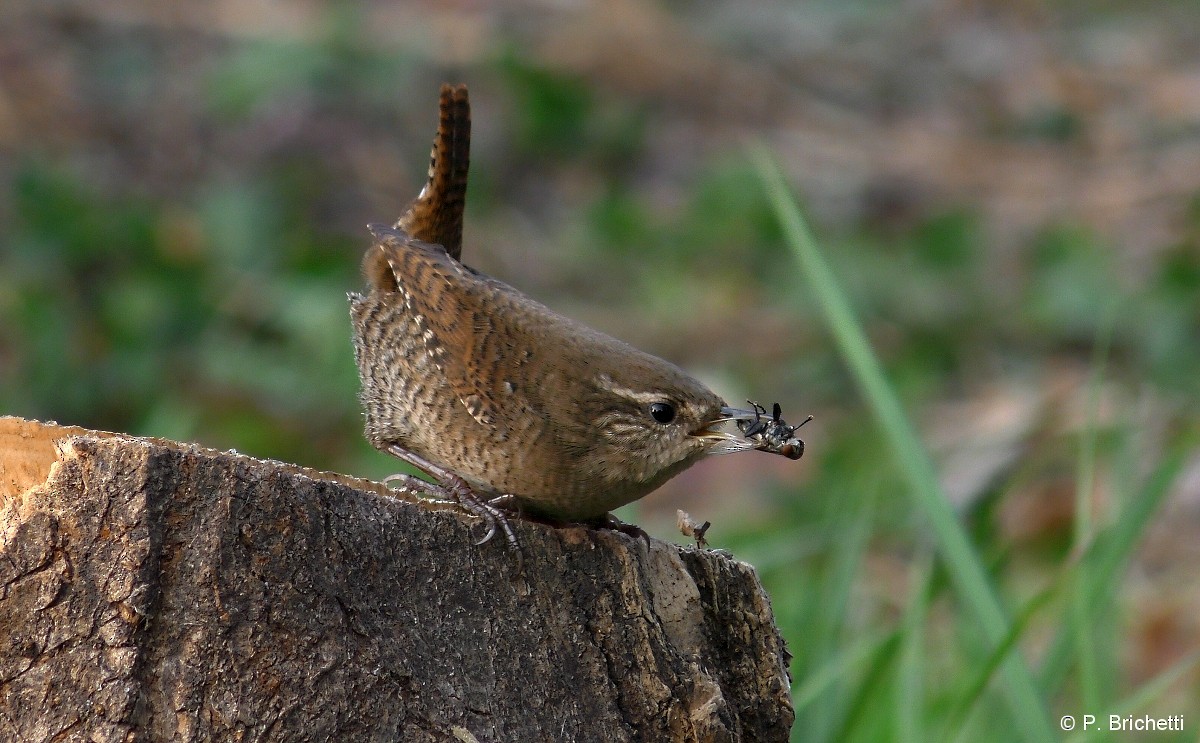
(154, 591)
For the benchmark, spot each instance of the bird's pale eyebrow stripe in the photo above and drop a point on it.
(641, 396)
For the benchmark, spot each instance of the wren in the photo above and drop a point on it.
(508, 405)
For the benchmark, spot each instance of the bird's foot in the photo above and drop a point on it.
(453, 489)
(608, 521)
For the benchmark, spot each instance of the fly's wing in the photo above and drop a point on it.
(449, 305)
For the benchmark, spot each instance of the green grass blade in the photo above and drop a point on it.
(975, 590)
(1111, 550)
(863, 709)
(831, 618)
(957, 717)
(838, 668)
(1083, 605)
(1143, 697)
(909, 698)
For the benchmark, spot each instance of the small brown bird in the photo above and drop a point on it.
(509, 405)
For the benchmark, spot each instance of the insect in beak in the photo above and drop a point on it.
(755, 431)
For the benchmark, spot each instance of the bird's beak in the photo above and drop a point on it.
(727, 442)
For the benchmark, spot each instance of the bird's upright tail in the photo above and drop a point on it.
(436, 215)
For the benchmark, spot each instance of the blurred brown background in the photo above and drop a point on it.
(184, 189)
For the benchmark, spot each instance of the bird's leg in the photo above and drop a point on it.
(454, 489)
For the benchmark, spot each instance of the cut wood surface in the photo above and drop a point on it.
(157, 591)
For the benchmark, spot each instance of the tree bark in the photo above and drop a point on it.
(156, 591)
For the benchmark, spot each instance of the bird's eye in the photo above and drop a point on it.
(663, 412)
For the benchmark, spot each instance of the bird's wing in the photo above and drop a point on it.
(455, 315)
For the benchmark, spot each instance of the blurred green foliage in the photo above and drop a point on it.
(128, 314)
